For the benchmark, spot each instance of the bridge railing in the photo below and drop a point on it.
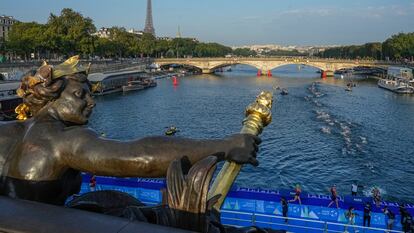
(299, 225)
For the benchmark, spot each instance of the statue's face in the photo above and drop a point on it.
(75, 103)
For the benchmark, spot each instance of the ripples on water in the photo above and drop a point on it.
(333, 125)
(320, 134)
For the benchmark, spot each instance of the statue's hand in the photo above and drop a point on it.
(242, 149)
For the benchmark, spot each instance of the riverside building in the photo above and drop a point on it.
(6, 23)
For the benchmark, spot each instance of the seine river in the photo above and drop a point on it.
(320, 135)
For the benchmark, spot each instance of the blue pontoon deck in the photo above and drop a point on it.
(246, 207)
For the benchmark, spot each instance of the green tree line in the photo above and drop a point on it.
(71, 33)
(397, 47)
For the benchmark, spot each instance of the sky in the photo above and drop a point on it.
(240, 22)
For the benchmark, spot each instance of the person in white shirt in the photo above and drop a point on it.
(354, 189)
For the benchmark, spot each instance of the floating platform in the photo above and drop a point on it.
(261, 207)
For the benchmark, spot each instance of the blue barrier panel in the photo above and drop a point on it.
(238, 204)
(260, 201)
(269, 219)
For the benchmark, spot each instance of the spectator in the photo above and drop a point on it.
(350, 216)
(406, 220)
(298, 190)
(367, 214)
(376, 195)
(390, 217)
(284, 208)
(334, 196)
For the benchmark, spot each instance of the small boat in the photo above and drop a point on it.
(399, 80)
(284, 91)
(171, 131)
(133, 86)
(112, 82)
(397, 85)
(149, 83)
(348, 88)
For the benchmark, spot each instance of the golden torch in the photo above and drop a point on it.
(258, 115)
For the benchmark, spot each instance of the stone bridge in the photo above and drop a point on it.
(209, 65)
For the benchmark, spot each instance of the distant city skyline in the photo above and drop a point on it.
(242, 22)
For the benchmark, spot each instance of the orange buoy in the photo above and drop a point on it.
(175, 80)
(269, 73)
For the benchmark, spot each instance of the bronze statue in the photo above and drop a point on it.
(43, 153)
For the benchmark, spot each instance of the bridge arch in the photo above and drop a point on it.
(208, 67)
(179, 63)
(235, 63)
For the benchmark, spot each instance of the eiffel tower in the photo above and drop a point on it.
(149, 27)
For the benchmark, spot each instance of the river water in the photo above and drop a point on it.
(320, 135)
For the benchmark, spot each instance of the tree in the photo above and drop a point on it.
(211, 50)
(163, 48)
(147, 44)
(374, 50)
(279, 52)
(26, 38)
(399, 46)
(70, 33)
(105, 47)
(124, 43)
(244, 52)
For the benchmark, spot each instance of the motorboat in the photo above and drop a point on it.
(284, 91)
(172, 130)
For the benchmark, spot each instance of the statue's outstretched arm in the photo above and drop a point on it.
(146, 157)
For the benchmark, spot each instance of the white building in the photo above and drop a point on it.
(103, 33)
(136, 32)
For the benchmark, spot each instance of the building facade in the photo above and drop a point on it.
(136, 32)
(102, 33)
(6, 23)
